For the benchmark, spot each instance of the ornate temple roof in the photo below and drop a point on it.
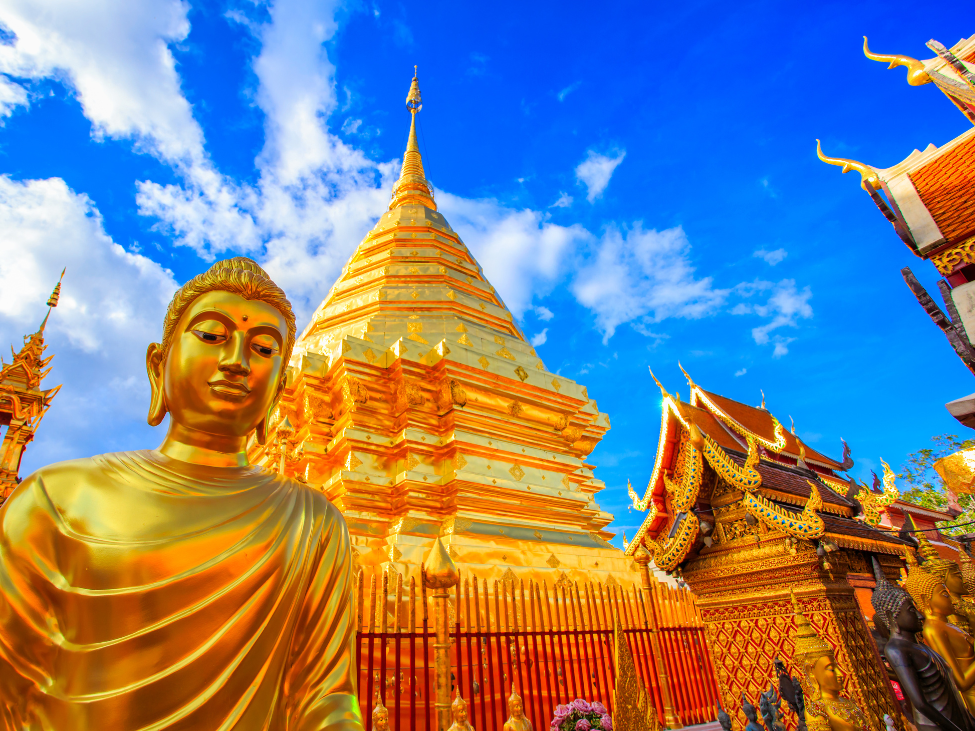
(716, 453)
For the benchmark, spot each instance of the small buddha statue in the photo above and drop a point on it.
(516, 714)
(953, 644)
(751, 714)
(825, 708)
(922, 673)
(458, 711)
(380, 715)
(724, 720)
(770, 706)
(963, 610)
(182, 587)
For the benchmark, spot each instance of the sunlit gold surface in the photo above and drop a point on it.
(421, 411)
(516, 714)
(868, 175)
(916, 75)
(182, 588)
(958, 470)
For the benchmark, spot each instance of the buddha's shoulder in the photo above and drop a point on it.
(320, 505)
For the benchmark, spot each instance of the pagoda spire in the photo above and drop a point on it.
(412, 186)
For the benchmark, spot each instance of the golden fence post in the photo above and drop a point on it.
(440, 575)
(671, 719)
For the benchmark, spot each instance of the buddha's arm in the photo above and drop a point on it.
(322, 680)
(938, 640)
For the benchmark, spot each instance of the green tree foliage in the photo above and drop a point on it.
(926, 488)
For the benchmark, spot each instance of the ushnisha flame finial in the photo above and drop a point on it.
(868, 176)
(916, 75)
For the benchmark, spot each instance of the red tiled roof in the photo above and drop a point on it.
(946, 186)
(706, 422)
(760, 422)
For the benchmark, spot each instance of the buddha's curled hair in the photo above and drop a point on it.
(241, 276)
(886, 597)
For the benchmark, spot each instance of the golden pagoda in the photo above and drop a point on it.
(416, 404)
(23, 403)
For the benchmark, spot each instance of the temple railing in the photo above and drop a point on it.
(552, 644)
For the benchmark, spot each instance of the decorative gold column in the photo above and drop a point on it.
(671, 719)
(440, 574)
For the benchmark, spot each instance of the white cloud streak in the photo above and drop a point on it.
(595, 172)
(771, 257)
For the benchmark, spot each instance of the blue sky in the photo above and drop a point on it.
(639, 181)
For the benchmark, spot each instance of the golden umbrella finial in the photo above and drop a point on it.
(916, 75)
(867, 173)
(413, 101)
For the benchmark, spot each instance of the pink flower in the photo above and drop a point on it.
(581, 705)
(606, 722)
(561, 712)
(583, 725)
(599, 708)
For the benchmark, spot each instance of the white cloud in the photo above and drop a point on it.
(643, 276)
(595, 172)
(112, 306)
(116, 57)
(540, 339)
(771, 257)
(543, 313)
(741, 372)
(522, 253)
(564, 201)
(785, 306)
(568, 90)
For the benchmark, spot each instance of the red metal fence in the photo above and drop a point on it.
(551, 644)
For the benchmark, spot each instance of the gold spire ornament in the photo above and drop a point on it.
(822, 681)
(916, 74)
(412, 186)
(868, 175)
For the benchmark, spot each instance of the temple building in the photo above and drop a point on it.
(417, 405)
(928, 199)
(746, 513)
(23, 403)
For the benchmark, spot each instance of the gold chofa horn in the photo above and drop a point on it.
(867, 173)
(916, 75)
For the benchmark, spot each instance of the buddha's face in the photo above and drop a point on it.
(380, 720)
(908, 619)
(224, 367)
(940, 601)
(460, 713)
(828, 676)
(954, 580)
(516, 709)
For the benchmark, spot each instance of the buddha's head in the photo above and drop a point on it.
(821, 677)
(227, 339)
(928, 591)
(380, 716)
(892, 605)
(947, 571)
(459, 710)
(516, 706)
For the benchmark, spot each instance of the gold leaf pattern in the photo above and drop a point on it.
(499, 340)
(565, 482)
(516, 471)
(450, 295)
(515, 409)
(352, 462)
(484, 362)
(370, 356)
(556, 385)
(411, 462)
(552, 560)
(503, 352)
(521, 373)
(459, 461)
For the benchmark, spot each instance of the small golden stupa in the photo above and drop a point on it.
(417, 405)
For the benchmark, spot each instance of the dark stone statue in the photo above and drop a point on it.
(752, 715)
(791, 691)
(770, 705)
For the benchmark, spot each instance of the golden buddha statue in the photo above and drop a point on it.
(458, 711)
(822, 682)
(940, 634)
(516, 714)
(182, 587)
(963, 610)
(380, 715)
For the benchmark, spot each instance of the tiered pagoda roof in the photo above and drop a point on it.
(716, 455)
(417, 404)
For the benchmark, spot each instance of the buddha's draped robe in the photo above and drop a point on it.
(141, 592)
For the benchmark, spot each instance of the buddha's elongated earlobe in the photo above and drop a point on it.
(261, 428)
(157, 404)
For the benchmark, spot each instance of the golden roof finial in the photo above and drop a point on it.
(690, 381)
(763, 398)
(793, 424)
(867, 173)
(412, 186)
(52, 301)
(916, 75)
(659, 384)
